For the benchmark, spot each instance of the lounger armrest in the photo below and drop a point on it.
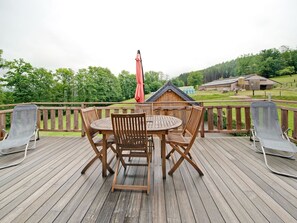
(5, 133)
(286, 133)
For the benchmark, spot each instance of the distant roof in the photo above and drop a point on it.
(170, 87)
(235, 79)
(221, 82)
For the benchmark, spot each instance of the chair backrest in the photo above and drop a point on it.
(88, 115)
(265, 119)
(130, 131)
(193, 124)
(24, 121)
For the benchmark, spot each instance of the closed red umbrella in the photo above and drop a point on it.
(139, 92)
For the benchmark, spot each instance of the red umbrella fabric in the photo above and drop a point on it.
(139, 92)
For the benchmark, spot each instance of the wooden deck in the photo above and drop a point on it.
(236, 187)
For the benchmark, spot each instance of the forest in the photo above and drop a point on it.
(22, 82)
(268, 63)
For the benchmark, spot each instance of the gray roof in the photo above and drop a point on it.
(234, 80)
(221, 82)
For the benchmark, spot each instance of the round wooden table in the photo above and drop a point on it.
(156, 124)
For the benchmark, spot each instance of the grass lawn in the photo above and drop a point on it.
(286, 79)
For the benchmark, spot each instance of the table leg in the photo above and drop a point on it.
(104, 155)
(163, 156)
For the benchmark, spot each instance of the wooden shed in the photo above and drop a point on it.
(168, 100)
(172, 100)
(170, 95)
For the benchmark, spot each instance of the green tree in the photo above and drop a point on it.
(104, 85)
(289, 57)
(184, 78)
(286, 71)
(64, 84)
(2, 96)
(1, 59)
(177, 82)
(246, 64)
(153, 81)
(270, 62)
(294, 60)
(82, 83)
(128, 84)
(41, 83)
(195, 78)
(17, 80)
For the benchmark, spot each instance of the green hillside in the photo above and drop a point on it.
(286, 79)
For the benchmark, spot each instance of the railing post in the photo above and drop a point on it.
(238, 118)
(210, 118)
(202, 134)
(229, 118)
(220, 118)
(284, 119)
(247, 119)
(2, 125)
(83, 133)
(294, 135)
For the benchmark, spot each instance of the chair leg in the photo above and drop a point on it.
(98, 156)
(17, 163)
(114, 182)
(148, 175)
(181, 159)
(189, 154)
(151, 146)
(151, 141)
(88, 165)
(256, 149)
(36, 137)
(26, 148)
(169, 154)
(275, 171)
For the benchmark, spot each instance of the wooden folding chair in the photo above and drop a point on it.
(183, 142)
(88, 115)
(131, 141)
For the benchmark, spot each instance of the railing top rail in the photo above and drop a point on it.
(154, 103)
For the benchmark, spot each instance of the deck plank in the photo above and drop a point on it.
(259, 185)
(243, 182)
(236, 186)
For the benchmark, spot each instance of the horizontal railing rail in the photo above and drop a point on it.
(232, 116)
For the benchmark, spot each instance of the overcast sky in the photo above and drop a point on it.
(173, 36)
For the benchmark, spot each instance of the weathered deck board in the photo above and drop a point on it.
(236, 186)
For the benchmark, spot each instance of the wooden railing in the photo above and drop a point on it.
(228, 119)
(233, 118)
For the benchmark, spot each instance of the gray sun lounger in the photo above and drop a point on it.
(23, 128)
(267, 131)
